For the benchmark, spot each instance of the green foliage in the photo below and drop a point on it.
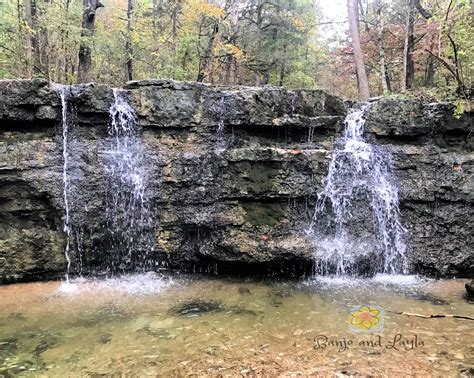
(256, 43)
(460, 107)
(249, 42)
(10, 40)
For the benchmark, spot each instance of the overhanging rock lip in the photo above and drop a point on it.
(165, 83)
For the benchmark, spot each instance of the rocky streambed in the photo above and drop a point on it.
(233, 175)
(142, 325)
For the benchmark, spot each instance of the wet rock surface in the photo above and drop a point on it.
(238, 203)
(433, 154)
(470, 289)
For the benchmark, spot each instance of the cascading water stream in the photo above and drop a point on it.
(128, 211)
(220, 126)
(359, 178)
(221, 142)
(64, 93)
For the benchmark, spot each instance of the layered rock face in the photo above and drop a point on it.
(232, 174)
(434, 163)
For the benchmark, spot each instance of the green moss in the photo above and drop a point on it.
(264, 214)
(255, 177)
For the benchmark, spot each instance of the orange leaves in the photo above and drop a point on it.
(299, 23)
(230, 49)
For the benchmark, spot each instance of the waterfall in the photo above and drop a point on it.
(128, 210)
(221, 143)
(357, 211)
(220, 125)
(64, 93)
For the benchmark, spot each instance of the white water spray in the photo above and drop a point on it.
(64, 93)
(359, 177)
(128, 211)
(221, 143)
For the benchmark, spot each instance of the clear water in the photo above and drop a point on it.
(148, 325)
(128, 208)
(359, 179)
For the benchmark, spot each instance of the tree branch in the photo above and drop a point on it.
(424, 12)
(431, 316)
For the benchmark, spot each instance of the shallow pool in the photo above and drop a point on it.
(175, 326)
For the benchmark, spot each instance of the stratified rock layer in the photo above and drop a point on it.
(240, 202)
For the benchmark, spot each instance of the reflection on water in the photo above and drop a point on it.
(145, 324)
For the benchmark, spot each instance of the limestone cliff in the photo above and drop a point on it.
(238, 202)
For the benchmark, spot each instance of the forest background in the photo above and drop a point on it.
(403, 46)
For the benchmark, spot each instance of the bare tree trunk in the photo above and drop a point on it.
(257, 79)
(408, 78)
(32, 17)
(68, 61)
(424, 12)
(85, 53)
(185, 60)
(174, 33)
(44, 53)
(360, 12)
(205, 58)
(20, 41)
(430, 68)
(282, 67)
(128, 43)
(231, 62)
(429, 72)
(380, 30)
(266, 77)
(44, 48)
(363, 84)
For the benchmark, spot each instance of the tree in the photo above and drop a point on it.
(425, 13)
(231, 71)
(363, 84)
(456, 28)
(409, 45)
(384, 79)
(85, 56)
(32, 14)
(249, 42)
(128, 44)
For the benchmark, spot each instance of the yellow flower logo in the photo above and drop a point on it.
(366, 319)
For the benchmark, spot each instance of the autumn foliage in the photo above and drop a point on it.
(244, 42)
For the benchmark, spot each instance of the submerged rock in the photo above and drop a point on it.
(105, 338)
(195, 308)
(156, 332)
(244, 290)
(16, 316)
(199, 307)
(8, 347)
(238, 310)
(430, 298)
(46, 341)
(277, 295)
(470, 289)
